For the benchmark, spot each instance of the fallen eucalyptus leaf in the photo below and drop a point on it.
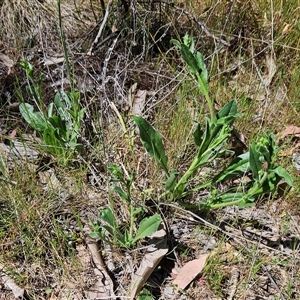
(11, 285)
(189, 271)
(153, 256)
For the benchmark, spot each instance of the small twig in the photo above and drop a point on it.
(233, 283)
(230, 235)
(8, 181)
(100, 29)
(106, 60)
(273, 282)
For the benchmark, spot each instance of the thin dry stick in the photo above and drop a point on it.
(233, 283)
(100, 29)
(230, 235)
(273, 282)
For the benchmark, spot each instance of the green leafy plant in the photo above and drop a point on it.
(59, 124)
(107, 228)
(258, 162)
(145, 295)
(197, 67)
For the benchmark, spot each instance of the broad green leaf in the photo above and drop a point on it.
(35, 119)
(198, 135)
(206, 139)
(147, 227)
(246, 202)
(176, 43)
(63, 104)
(170, 183)
(111, 230)
(116, 171)
(203, 75)
(50, 110)
(238, 166)
(179, 189)
(62, 100)
(107, 215)
(95, 235)
(227, 197)
(152, 142)
(58, 124)
(267, 186)
(74, 97)
(254, 161)
(145, 295)
(230, 109)
(202, 67)
(121, 193)
(190, 42)
(280, 171)
(27, 67)
(81, 114)
(137, 211)
(190, 60)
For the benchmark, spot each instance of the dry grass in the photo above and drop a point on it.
(44, 215)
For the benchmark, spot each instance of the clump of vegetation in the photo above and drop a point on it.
(110, 231)
(192, 179)
(259, 161)
(60, 124)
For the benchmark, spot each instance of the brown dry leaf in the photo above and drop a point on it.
(270, 63)
(290, 151)
(287, 28)
(53, 61)
(138, 103)
(11, 285)
(131, 93)
(8, 62)
(103, 287)
(290, 130)
(189, 271)
(153, 256)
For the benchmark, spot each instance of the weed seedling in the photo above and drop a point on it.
(108, 230)
(59, 125)
(258, 162)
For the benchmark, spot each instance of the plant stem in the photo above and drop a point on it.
(207, 98)
(183, 180)
(250, 193)
(64, 45)
(131, 222)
